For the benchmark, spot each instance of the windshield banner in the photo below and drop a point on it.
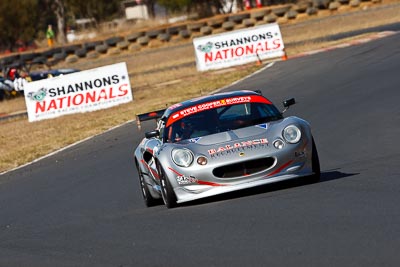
(78, 92)
(238, 47)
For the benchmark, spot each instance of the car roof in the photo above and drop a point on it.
(204, 99)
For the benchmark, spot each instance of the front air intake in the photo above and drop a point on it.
(244, 168)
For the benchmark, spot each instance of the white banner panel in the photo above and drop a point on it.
(238, 47)
(78, 92)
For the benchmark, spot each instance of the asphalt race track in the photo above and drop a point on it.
(82, 206)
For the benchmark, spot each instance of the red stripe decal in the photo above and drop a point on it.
(209, 183)
(280, 168)
(177, 173)
(155, 174)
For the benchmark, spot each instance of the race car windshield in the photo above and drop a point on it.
(221, 119)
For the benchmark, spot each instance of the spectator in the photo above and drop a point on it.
(50, 36)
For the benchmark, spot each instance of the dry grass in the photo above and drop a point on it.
(159, 77)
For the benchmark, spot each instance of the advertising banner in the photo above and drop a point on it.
(78, 92)
(238, 47)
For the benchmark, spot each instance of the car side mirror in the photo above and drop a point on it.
(152, 134)
(287, 103)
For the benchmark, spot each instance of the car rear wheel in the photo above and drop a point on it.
(167, 192)
(149, 201)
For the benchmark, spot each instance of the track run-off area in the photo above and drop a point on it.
(83, 205)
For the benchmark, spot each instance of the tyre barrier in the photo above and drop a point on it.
(196, 26)
(270, 18)
(71, 59)
(291, 14)
(152, 34)
(81, 52)
(355, 3)
(71, 49)
(238, 18)
(40, 60)
(312, 11)
(333, 6)
(216, 23)
(134, 36)
(206, 30)
(112, 51)
(174, 30)
(258, 15)
(92, 45)
(321, 4)
(249, 22)
(185, 34)
(123, 45)
(113, 41)
(164, 37)
(280, 11)
(102, 48)
(144, 40)
(301, 7)
(60, 56)
(92, 55)
(134, 47)
(139, 39)
(50, 53)
(29, 56)
(228, 25)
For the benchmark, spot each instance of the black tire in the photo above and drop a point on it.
(167, 192)
(71, 49)
(92, 45)
(195, 26)
(315, 165)
(102, 49)
(216, 23)
(144, 40)
(113, 41)
(164, 37)
(29, 56)
(149, 201)
(134, 36)
(60, 56)
(238, 18)
(174, 30)
(81, 52)
(280, 11)
(39, 60)
(51, 52)
(185, 34)
(228, 25)
(152, 34)
(123, 45)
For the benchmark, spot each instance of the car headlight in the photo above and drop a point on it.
(292, 134)
(182, 157)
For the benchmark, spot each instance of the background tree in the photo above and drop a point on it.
(204, 8)
(99, 10)
(18, 21)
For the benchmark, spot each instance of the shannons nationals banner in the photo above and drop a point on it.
(238, 47)
(78, 92)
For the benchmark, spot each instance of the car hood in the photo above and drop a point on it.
(246, 133)
(232, 135)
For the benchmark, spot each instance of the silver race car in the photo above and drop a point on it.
(221, 143)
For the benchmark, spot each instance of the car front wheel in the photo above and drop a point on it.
(315, 164)
(167, 192)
